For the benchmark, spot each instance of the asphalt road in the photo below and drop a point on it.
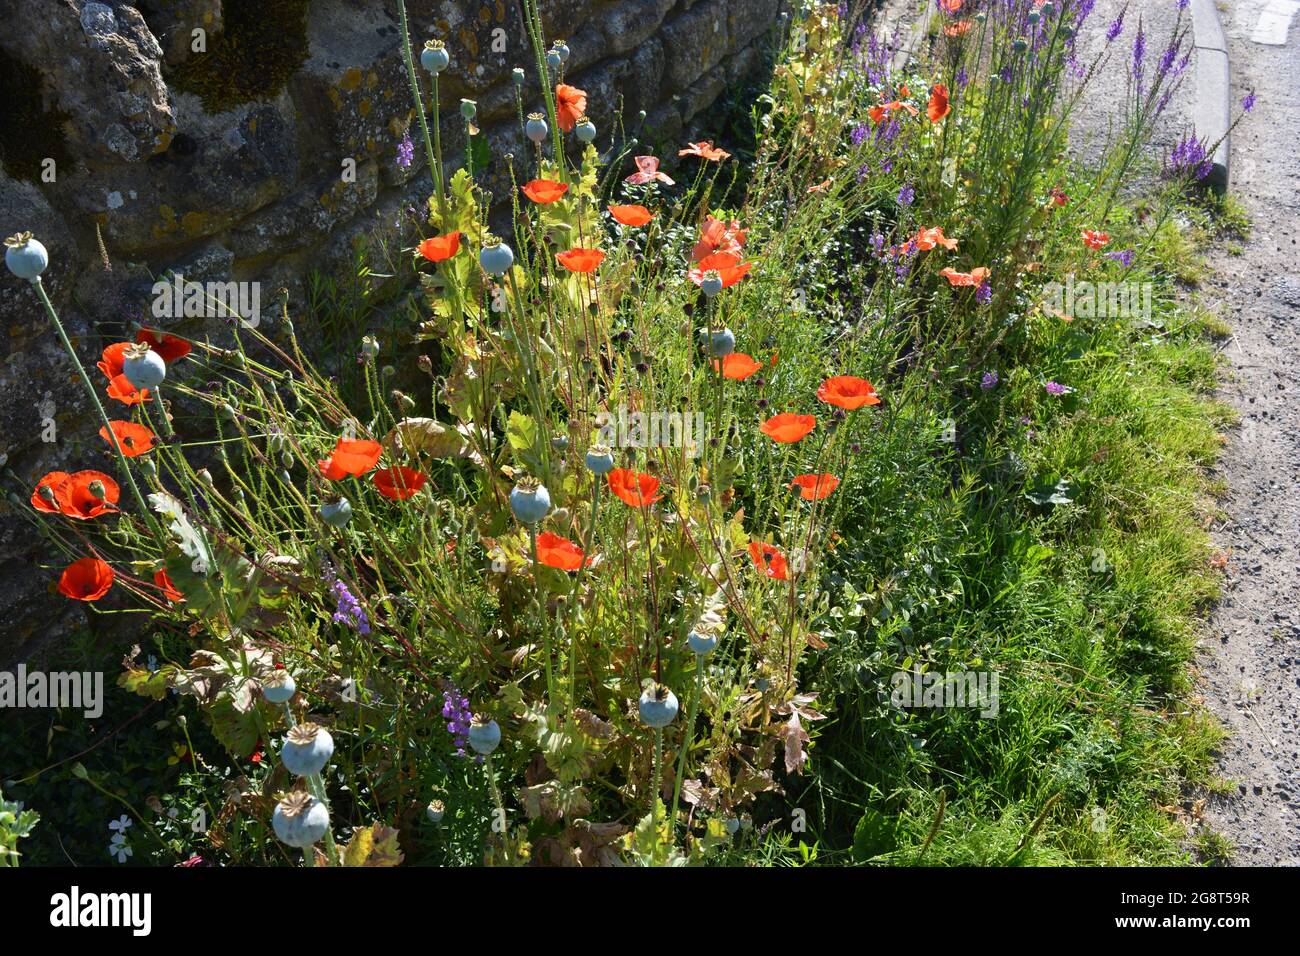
(1251, 663)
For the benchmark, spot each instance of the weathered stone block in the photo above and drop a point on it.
(694, 43)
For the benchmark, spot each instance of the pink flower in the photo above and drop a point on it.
(647, 171)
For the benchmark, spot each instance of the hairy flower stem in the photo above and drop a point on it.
(541, 610)
(654, 794)
(501, 807)
(435, 158)
(577, 584)
(146, 514)
(688, 738)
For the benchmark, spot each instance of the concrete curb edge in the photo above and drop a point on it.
(1212, 108)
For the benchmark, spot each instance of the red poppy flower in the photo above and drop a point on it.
(769, 560)
(972, 278)
(960, 28)
(877, 113)
(77, 500)
(570, 106)
(848, 392)
(631, 215)
(705, 150)
(86, 580)
(398, 482)
(121, 389)
(556, 552)
(544, 191)
(633, 487)
(54, 480)
(170, 348)
(788, 428)
(113, 359)
(728, 267)
(938, 107)
(737, 366)
(354, 457)
(718, 236)
(1094, 240)
(950, 6)
(168, 589)
(1059, 197)
(440, 247)
(581, 260)
(134, 439)
(815, 487)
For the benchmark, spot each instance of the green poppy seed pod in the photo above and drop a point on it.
(517, 75)
(434, 57)
(1020, 45)
(484, 735)
(1032, 17)
(562, 48)
(711, 284)
(1048, 9)
(468, 109)
(435, 811)
(553, 59)
(370, 347)
(25, 257)
(300, 820)
(495, 257)
(536, 129)
(585, 130)
(657, 706)
(640, 118)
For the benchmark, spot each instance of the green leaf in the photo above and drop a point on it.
(875, 834)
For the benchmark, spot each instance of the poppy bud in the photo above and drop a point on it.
(149, 468)
(403, 401)
(388, 371)
(425, 364)
(204, 476)
(468, 109)
(47, 493)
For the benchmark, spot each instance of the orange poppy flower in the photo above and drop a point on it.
(718, 236)
(134, 439)
(821, 187)
(705, 150)
(768, 559)
(737, 366)
(960, 28)
(647, 171)
(544, 191)
(86, 580)
(1094, 240)
(76, 500)
(164, 582)
(113, 359)
(170, 348)
(54, 480)
(631, 215)
(580, 260)
(727, 266)
(788, 427)
(355, 458)
(121, 389)
(938, 107)
(398, 482)
(570, 105)
(560, 553)
(950, 6)
(877, 113)
(848, 392)
(815, 487)
(439, 248)
(633, 487)
(974, 277)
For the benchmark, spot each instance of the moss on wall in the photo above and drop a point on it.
(29, 133)
(260, 47)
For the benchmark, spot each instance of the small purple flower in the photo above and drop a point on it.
(1055, 388)
(1139, 54)
(989, 381)
(1116, 28)
(1248, 101)
(1124, 258)
(984, 294)
(906, 195)
(1188, 159)
(961, 79)
(859, 134)
(405, 151)
(457, 713)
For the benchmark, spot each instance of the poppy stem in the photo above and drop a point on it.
(541, 610)
(99, 406)
(435, 159)
(688, 738)
(654, 793)
(577, 582)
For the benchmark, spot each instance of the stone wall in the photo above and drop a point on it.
(129, 152)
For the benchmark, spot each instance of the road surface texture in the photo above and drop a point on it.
(1251, 663)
